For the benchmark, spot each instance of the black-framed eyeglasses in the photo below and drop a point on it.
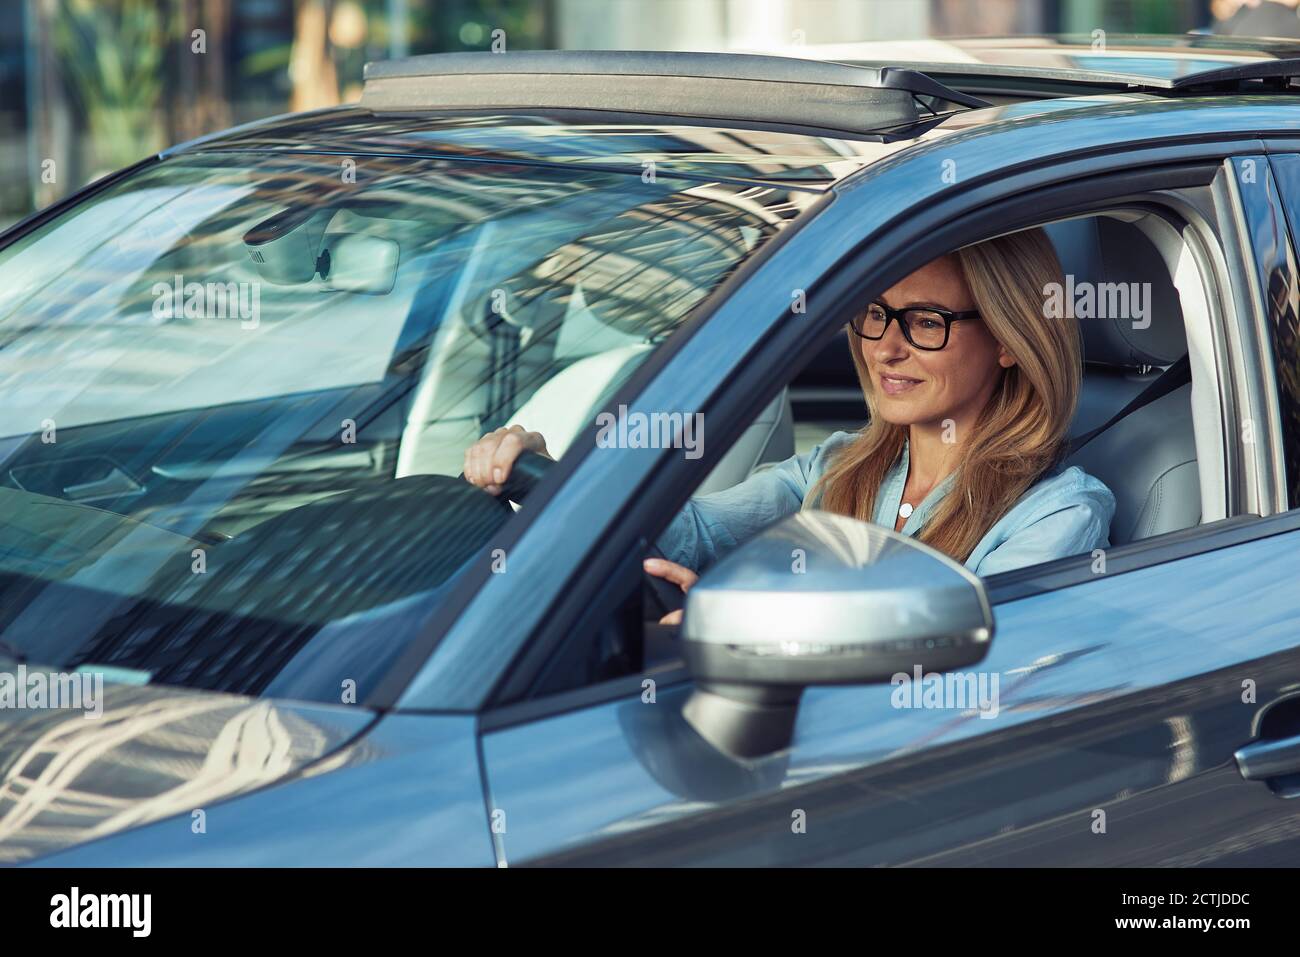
(925, 327)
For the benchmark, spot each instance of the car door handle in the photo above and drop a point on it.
(1269, 759)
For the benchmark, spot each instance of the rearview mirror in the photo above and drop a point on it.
(355, 262)
(821, 599)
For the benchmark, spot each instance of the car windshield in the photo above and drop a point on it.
(236, 389)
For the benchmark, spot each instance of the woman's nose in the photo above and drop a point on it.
(892, 345)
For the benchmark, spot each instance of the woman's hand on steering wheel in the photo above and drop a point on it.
(489, 460)
(679, 575)
(489, 463)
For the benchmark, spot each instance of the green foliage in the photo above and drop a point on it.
(112, 56)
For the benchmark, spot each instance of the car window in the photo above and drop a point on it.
(759, 482)
(237, 388)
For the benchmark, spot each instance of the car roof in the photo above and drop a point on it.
(744, 116)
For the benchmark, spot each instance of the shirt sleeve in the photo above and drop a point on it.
(1068, 520)
(711, 525)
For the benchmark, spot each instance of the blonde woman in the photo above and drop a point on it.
(970, 391)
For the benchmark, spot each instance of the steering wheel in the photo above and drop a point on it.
(528, 470)
(524, 475)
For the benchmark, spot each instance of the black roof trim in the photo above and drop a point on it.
(1231, 77)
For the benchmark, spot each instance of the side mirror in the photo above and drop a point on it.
(820, 599)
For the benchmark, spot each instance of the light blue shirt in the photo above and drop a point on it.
(1067, 512)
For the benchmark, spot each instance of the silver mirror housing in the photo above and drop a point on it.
(824, 599)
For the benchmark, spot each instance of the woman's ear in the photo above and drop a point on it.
(1005, 358)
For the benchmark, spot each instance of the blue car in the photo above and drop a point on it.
(252, 613)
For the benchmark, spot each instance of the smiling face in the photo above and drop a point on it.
(913, 386)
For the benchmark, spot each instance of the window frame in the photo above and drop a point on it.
(1283, 312)
(1211, 253)
(1047, 576)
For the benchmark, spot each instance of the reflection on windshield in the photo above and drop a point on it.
(238, 389)
(770, 155)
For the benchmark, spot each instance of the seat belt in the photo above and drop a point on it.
(1174, 377)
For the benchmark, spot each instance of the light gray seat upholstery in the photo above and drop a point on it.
(769, 438)
(1148, 458)
(1149, 461)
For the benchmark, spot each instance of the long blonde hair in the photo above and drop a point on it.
(1018, 434)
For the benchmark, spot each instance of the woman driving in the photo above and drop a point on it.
(970, 390)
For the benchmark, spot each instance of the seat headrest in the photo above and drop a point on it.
(1104, 253)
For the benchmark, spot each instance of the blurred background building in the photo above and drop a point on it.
(87, 86)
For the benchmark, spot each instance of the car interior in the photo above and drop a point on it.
(563, 332)
(1148, 458)
(1146, 454)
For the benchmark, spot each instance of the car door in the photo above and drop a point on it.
(1112, 745)
(1122, 700)
(1123, 696)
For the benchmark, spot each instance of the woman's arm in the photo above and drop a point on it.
(711, 525)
